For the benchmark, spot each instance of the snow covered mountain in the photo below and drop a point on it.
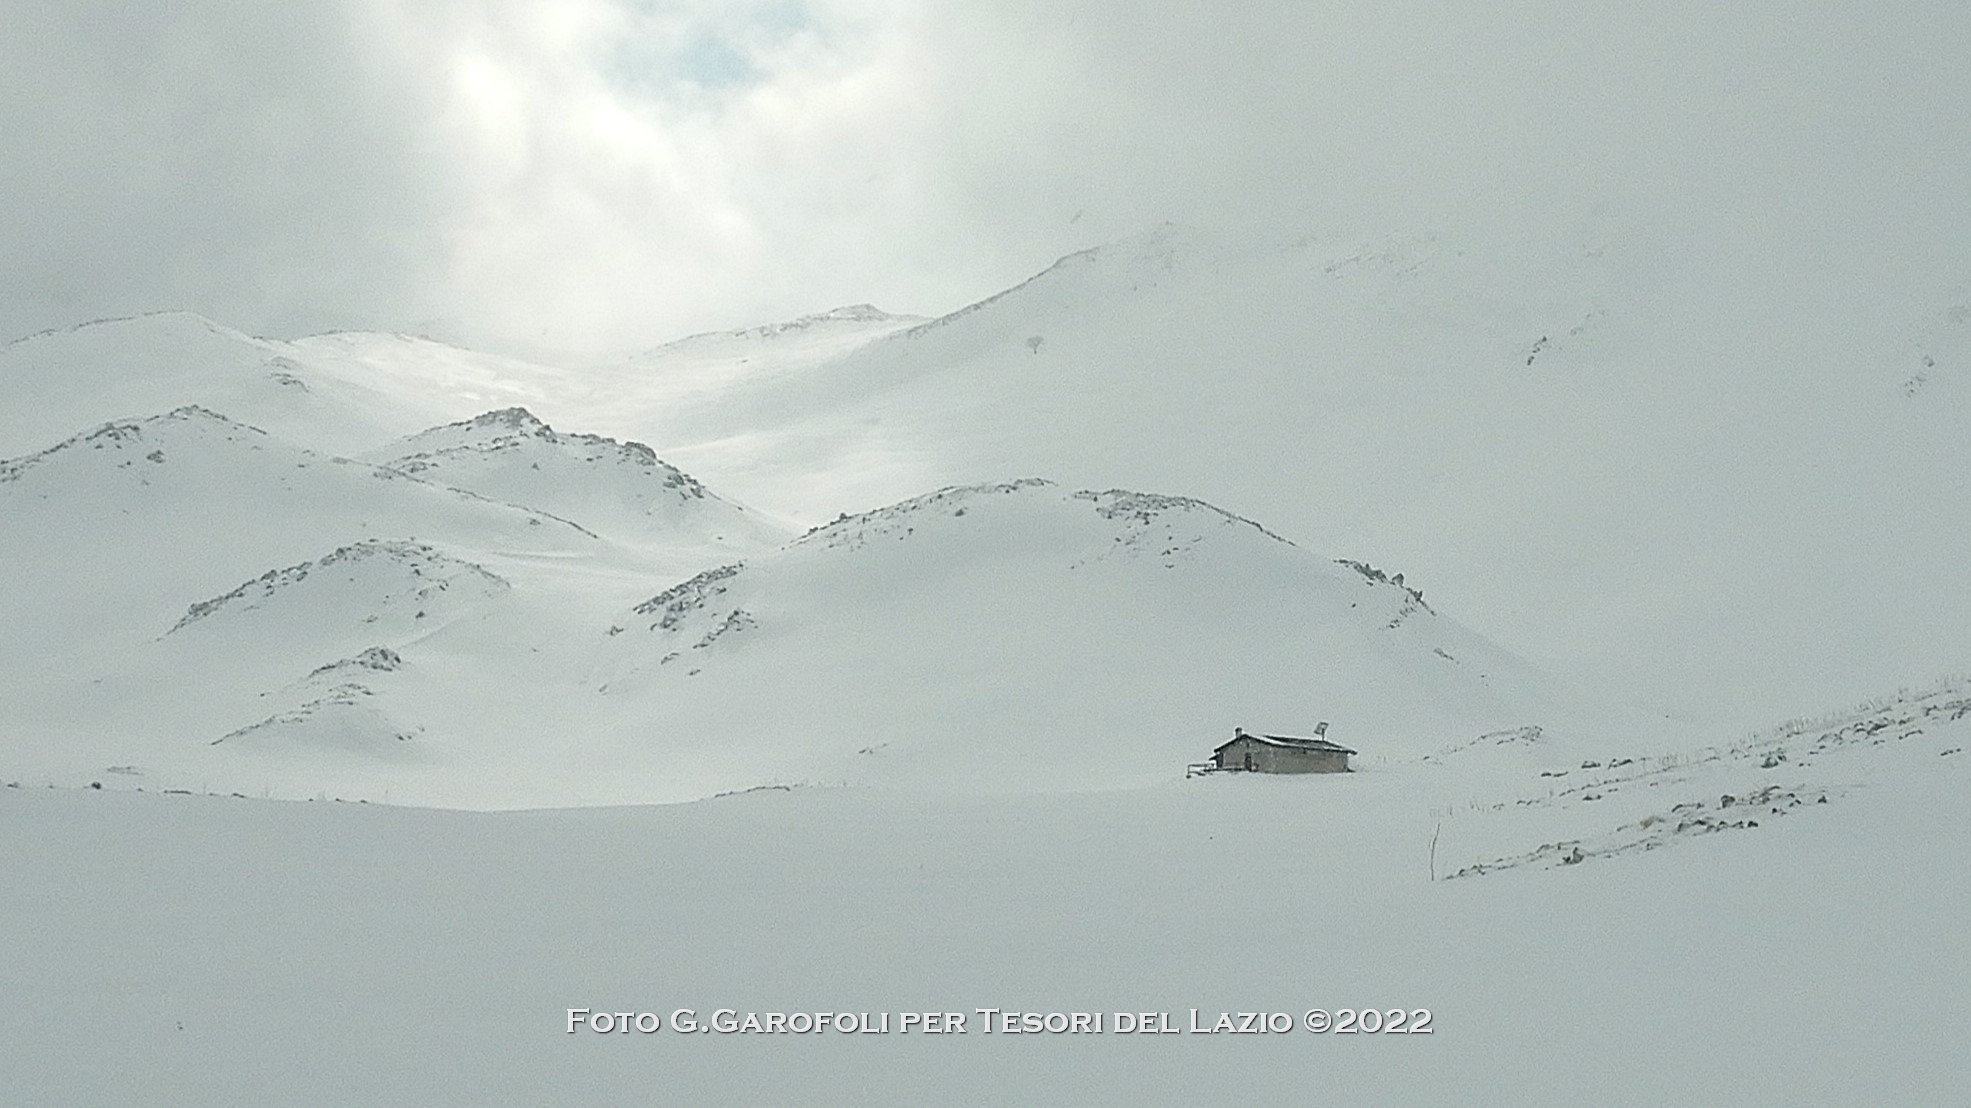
(1026, 636)
(1653, 455)
(398, 576)
(135, 520)
(110, 369)
(384, 721)
(1527, 424)
(618, 489)
(382, 631)
(334, 711)
(1741, 894)
(968, 713)
(192, 572)
(809, 336)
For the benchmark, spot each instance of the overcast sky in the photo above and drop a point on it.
(587, 174)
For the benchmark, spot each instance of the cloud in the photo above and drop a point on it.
(639, 171)
(605, 173)
(253, 160)
(569, 172)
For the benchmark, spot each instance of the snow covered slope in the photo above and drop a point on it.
(335, 710)
(136, 520)
(59, 380)
(960, 721)
(618, 489)
(807, 337)
(725, 381)
(713, 384)
(1024, 636)
(1653, 455)
(375, 583)
(439, 380)
(172, 568)
(1659, 456)
(1004, 638)
(205, 950)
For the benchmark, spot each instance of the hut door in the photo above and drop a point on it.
(1248, 761)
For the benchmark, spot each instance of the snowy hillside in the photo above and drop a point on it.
(1600, 435)
(1410, 555)
(440, 380)
(967, 714)
(185, 564)
(369, 589)
(1689, 927)
(1023, 636)
(830, 332)
(109, 369)
(506, 570)
(134, 521)
(1001, 638)
(1528, 424)
(621, 490)
(333, 711)
(717, 391)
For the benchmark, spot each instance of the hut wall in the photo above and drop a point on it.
(1281, 759)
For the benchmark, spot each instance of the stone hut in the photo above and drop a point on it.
(1281, 754)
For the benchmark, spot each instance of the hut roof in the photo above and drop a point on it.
(1288, 741)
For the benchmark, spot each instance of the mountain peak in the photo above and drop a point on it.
(1145, 506)
(513, 419)
(120, 433)
(851, 313)
(856, 312)
(503, 429)
(617, 487)
(841, 322)
(366, 580)
(953, 497)
(1054, 591)
(1135, 258)
(169, 320)
(195, 413)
